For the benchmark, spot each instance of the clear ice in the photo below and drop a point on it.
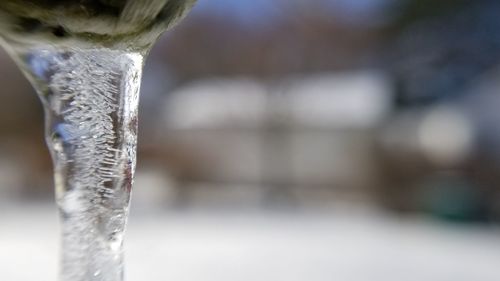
(90, 98)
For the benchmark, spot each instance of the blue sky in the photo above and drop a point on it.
(245, 11)
(262, 11)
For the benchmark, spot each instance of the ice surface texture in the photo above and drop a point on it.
(90, 98)
(85, 58)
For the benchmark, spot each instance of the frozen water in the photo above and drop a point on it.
(341, 244)
(85, 60)
(90, 99)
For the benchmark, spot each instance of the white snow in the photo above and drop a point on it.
(202, 246)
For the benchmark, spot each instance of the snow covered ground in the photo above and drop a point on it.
(264, 246)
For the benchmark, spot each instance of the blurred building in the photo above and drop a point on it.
(306, 136)
(305, 104)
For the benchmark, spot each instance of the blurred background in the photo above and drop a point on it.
(293, 140)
